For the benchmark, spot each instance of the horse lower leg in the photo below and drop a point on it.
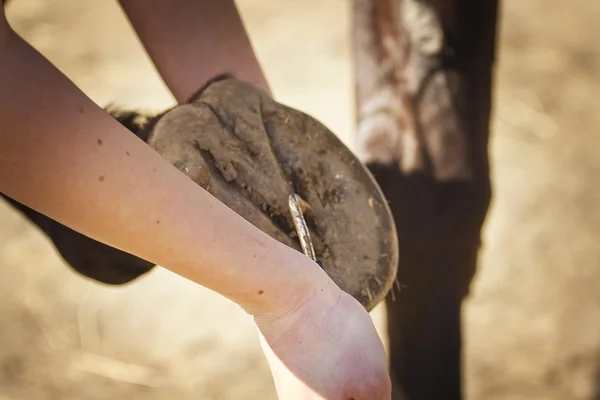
(423, 91)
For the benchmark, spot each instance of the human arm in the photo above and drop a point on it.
(65, 157)
(191, 41)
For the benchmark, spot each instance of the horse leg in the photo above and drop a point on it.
(423, 92)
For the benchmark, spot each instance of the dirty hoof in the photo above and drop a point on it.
(253, 153)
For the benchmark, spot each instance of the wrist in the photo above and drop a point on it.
(304, 279)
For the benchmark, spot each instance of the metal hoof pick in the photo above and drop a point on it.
(298, 207)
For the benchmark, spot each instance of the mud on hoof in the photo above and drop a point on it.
(252, 153)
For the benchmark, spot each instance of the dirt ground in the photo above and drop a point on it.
(532, 322)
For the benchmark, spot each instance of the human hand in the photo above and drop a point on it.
(326, 347)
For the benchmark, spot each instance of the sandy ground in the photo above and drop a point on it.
(532, 322)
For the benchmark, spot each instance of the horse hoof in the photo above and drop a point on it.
(255, 155)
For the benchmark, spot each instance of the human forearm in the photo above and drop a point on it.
(191, 41)
(65, 157)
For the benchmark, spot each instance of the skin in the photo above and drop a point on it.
(164, 27)
(63, 156)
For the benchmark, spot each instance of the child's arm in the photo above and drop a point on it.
(65, 157)
(191, 41)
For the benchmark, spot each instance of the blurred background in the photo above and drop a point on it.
(532, 321)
